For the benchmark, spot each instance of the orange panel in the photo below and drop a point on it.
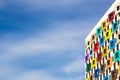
(109, 62)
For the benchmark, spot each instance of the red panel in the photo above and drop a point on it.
(96, 46)
(99, 56)
(111, 16)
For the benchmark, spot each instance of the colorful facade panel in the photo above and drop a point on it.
(103, 48)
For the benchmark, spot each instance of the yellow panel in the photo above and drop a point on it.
(104, 25)
(86, 79)
(107, 34)
(94, 62)
(119, 69)
(88, 44)
(104, 51)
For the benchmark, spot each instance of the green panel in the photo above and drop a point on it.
(88, 67)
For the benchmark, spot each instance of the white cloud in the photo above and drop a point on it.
(9, 73)
(66, 38)
(76, 66)
(33, 75)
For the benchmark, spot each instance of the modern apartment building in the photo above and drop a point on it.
(102, 53)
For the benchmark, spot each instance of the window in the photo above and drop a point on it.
(104, 24)
(115, 25)
(119, 36)
(101, 41)
(105, 51)
(117, 55)
(88, 42)
(96, 46)
(102, 68)
(114, 74)
(91, 78)
(93, 37)
(107, 34)
(96, 74)
(112, 44)
(111, 16)
(106, 77)
(119, 14)
(108, 62)
(99, 56)
(118, 7)
(90, 52)
(93, 62)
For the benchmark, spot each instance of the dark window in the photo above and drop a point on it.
(114, 74)
(91, 52)
(105, 51)
(108, 62)
(119, 14)
(119, 36)
(117, 55)
(117, 46)
(91, 78)
(99, 56)
(104, 24)
(115, 26)
(98, 30)
(107, 34)
(101, 40)
(88, 42)
(93, 61)
(93, 37)
(106, 78)
(102, 67)
(118, 7)
(112, 43)
(111, 16)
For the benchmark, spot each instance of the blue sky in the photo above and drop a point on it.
(44, 39)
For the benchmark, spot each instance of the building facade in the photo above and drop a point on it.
(102, 53)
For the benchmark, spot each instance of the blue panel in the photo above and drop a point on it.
(102, 41)
(106, 78)
(97, 73)
(115, 26)
(112, 44)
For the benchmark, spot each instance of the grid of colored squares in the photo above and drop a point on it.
(102, 55)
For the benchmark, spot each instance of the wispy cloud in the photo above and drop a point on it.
(75, 67)
(42, 39)
(8, 73)
(62, 37)
(57, 39)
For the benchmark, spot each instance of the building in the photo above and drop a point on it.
(102, 53)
